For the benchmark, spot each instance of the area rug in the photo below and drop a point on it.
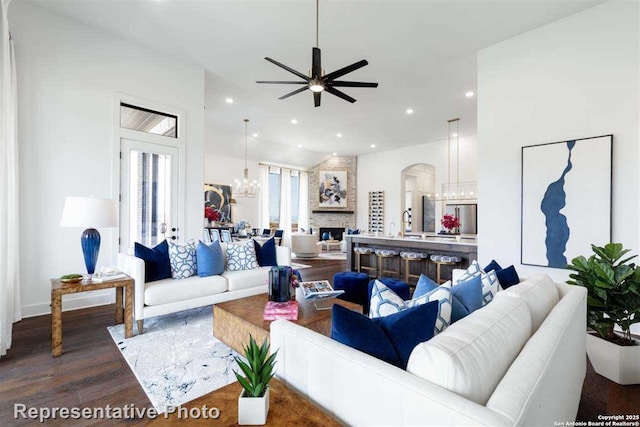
(177, 358)
(333, 255)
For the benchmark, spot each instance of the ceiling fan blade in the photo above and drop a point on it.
(302, 89)
(340, 94)
(282, 82)
(316, 98)
(345, 70)
(341, 83)
(316, 64)
(289, 69)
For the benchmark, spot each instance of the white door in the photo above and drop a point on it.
(149, 193)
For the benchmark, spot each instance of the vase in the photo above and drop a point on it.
(253, 411)
(280, 288)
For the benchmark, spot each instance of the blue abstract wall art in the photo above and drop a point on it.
(566, 200)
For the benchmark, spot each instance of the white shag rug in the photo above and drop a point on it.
(177, 358)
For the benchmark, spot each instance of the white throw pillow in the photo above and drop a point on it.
(241, 256)
(183, 260)
(385, 302)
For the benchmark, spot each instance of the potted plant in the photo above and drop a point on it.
(253, 403)
(613, 286)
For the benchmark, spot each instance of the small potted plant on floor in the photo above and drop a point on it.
(253, 403)
(613, 298)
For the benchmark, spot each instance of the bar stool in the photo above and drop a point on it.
(388, 255)
(359, 252)
(440, 260)
(412, 258)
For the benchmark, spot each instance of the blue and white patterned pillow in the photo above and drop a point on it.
(183, 260)
(241, 256)
(385, 302)
(490, 283)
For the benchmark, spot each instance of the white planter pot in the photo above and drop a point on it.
(253, 411)
(620, 364)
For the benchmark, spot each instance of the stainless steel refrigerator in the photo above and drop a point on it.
(468, 215)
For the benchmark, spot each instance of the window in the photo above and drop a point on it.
(149, 121)
(274, 198)
(295, 199)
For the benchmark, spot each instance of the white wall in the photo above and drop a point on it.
(575, 78)
(67, 76)
(382, 172)
(224, 170)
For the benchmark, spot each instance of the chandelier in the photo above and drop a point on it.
(245, 188)
(455, 190)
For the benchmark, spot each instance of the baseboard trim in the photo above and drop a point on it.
(68, 304)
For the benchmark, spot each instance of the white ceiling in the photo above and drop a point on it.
(422, 53)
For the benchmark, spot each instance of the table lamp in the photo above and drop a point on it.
(89, 212)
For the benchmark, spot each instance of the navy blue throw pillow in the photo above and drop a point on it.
(408, 328)
(508, 277)
(266, 254)
(493, 265)
(391, 338)
(156, 261)
(358, 331)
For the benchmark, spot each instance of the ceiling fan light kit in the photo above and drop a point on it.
(319, 82)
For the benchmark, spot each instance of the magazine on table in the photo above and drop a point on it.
(318, 289)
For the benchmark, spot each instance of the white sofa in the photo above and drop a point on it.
(520, 360)
(171, 295)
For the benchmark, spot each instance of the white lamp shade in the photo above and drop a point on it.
(89, 212)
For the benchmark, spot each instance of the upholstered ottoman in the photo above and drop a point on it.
(398, 286)
(354, 285)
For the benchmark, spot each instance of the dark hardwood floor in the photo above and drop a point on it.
(91, 373)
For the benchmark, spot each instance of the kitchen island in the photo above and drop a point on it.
(466, 249)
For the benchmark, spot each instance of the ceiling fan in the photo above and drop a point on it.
(318, 81)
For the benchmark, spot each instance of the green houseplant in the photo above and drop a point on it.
(613, 298)
(253, 403)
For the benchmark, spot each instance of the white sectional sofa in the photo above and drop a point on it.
(518, 361)
(171, 295)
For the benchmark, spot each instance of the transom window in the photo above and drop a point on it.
(148, 121)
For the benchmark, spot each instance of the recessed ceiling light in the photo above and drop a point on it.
(409, 111)
(299, 145)
(335, 154)
(294, 121)
(339, 135)
(255, 135)
(454, 134)
(373, 145)
(469, 94)
(229, 100)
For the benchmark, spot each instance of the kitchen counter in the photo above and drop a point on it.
(466, 248)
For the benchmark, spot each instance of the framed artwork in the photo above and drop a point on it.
(332, 189)
(566, 200)
(219, 197)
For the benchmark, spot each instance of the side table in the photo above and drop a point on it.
(122, 286)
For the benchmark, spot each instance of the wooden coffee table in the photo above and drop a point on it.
(286, 408)
(234, 321)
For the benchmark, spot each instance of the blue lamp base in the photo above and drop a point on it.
(90, 241)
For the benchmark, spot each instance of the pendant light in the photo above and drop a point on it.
(455, 190)
(244, 188)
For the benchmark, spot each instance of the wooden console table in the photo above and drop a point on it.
(122, 286)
